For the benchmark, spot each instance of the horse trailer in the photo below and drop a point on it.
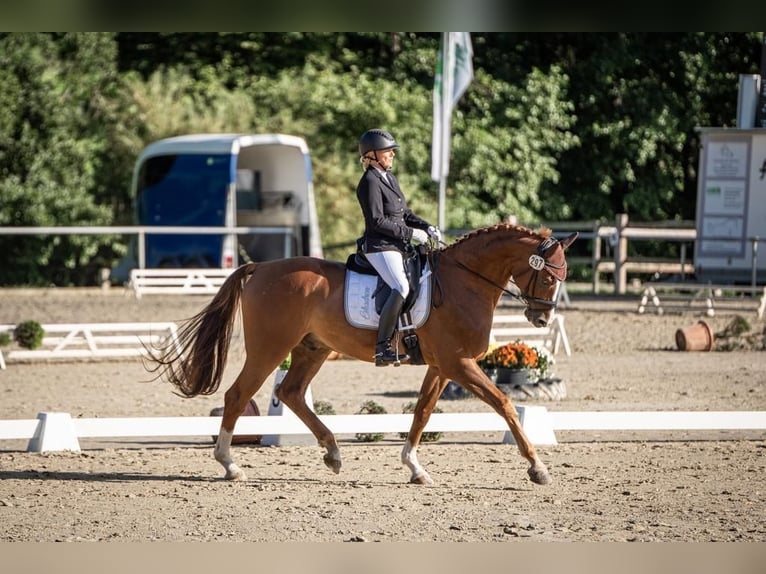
(262, 182)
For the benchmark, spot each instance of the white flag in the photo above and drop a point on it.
(454, 73)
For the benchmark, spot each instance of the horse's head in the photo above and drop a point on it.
(538, 285)
(534, 262)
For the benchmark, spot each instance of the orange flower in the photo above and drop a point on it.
(516, 355)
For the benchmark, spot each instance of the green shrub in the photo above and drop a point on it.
(736, 327)
(370, 408)
(323, 408)
(5, 339)
(426, 436)
(29, 334)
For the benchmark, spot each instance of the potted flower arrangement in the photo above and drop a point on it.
(514, 363)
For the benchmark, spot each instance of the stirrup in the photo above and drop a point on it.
(389, 357)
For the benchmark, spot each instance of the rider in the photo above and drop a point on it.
(389, 225)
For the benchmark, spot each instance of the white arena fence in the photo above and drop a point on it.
(618, 264)
(506, 328)
(114, 340)
(177, 281)
(93, 341)
(59, 431)
(660, 297)
(54, 431)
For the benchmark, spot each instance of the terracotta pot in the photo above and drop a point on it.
(251, 410)
(697, 337)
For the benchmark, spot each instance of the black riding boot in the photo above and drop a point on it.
(389, 315)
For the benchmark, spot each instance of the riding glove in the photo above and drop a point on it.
(435, 233)
(419, 236)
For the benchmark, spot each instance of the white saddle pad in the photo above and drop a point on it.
(359, 303)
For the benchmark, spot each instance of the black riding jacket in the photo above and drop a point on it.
(388, 222)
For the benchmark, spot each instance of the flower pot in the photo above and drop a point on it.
(512, 377)
(697, 337)
(453, 391)
(491, 373)
(251, 410)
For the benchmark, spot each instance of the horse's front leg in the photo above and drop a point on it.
(474, 380)
(430, 391)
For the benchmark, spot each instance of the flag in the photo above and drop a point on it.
(454, 73)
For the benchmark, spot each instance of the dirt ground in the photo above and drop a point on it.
(690, 486)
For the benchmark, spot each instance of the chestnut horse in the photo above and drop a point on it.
(296, 306)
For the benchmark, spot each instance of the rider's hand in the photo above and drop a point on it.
(419, 236)
(435, 233)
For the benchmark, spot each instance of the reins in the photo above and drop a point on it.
(488, 280)
(537, 263)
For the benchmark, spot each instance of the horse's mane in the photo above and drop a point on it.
(541, 233)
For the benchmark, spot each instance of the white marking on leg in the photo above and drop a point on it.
(410, 460)
(222, 454)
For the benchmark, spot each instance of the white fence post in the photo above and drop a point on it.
(55, 432)
(537, 424)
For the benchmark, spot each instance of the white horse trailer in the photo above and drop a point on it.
(257, 181)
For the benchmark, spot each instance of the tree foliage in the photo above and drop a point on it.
(56, 92)
(553, 127)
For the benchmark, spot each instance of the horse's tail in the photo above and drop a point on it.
(195, 361)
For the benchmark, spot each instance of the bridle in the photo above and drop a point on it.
(537, 262)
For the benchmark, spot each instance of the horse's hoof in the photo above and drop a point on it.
(235, 473)
(332, 463)
(421, 479)
(539, 475)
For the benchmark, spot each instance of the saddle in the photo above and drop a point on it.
(364, 285)
(414, 262)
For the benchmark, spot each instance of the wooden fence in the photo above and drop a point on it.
(608, 244)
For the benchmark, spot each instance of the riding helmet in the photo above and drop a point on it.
(374, 140)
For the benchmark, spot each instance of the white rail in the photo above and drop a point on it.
(177, 281)
(58, 431)
(617, 235)
(93, 341)
(506, 328)
(683, 296)
(143, 230)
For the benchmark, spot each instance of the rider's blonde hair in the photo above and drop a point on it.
(365, 161)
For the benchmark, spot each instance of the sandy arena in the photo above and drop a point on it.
(686, 486)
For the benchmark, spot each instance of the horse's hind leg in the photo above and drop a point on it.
(247, 383)
(430, 391)
(306, 360)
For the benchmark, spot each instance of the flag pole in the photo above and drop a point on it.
(446, 110)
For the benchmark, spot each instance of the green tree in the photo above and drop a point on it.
(569, 126)
(638, 99)
(505, 148)
(51, 149)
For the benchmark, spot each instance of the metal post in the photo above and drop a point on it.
(754, 269)
(141, 248)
